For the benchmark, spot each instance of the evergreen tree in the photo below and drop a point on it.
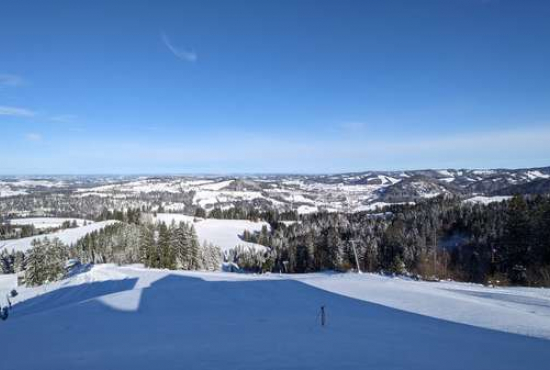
(392, 242)
(194, 249)
(19, 262)
(36, 271)
(183, 246)
(211, 257)
(167, 257)
(55, 259)
(147, 246)
(6, 263)
(516, 241)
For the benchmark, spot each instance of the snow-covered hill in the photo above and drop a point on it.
(302, 193)
(135, 318)
(67, 236)
(47, 222)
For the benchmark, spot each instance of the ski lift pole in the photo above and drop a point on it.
(353, 244)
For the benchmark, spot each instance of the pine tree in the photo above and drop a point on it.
(210, 257)
(334, 249)
(167, 258)
(310, 251)
(194, 248)
(19, 262)
(398, 266)
(6, 263)
(181, 244)
(56, 257)
(147, 248)
(36, 273)
(393, 241)
(516, 239)
(263, 238)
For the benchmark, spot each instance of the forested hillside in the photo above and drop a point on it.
(504, 242)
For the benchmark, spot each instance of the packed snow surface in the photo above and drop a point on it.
(67, 236)
(225, 234)
(135, 318)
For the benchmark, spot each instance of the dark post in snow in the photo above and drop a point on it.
(323, 316)
(4, 313)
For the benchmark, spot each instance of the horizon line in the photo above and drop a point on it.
(252, 173)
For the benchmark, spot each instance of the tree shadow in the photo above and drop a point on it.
(184, 322)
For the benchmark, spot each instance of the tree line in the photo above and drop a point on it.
(155, 245)
(501, 243)
(9, 231)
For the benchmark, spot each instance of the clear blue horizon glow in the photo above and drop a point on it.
(297, 86)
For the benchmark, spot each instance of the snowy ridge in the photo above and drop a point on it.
(348, 192)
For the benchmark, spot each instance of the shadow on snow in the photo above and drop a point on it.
(187, 323)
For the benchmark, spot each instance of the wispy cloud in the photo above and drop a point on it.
(186, 55)
(15, 111)
(10, 80)
(33, 136)
(64, 118)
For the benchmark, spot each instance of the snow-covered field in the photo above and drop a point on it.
(135, 318)
(7, 192)
(351, 192)
(222, 233)
(46, 222)
(7, 282)
(67, 236)
(225, 234)
(486, 200)
(224, 193)
(24, 186)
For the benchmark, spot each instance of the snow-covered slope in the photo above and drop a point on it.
(67, 236)
(222, 233)
(6, 191)
(486, 200)
(47, 222)
(302, 193)
(7, 282)
(135, 318)
(517, 310)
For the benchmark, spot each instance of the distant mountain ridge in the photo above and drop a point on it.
(356, 191)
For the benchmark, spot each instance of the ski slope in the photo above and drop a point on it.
(136, 318)
(222, 233)
(67, 236)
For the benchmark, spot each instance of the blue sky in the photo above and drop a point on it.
(273, 86)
